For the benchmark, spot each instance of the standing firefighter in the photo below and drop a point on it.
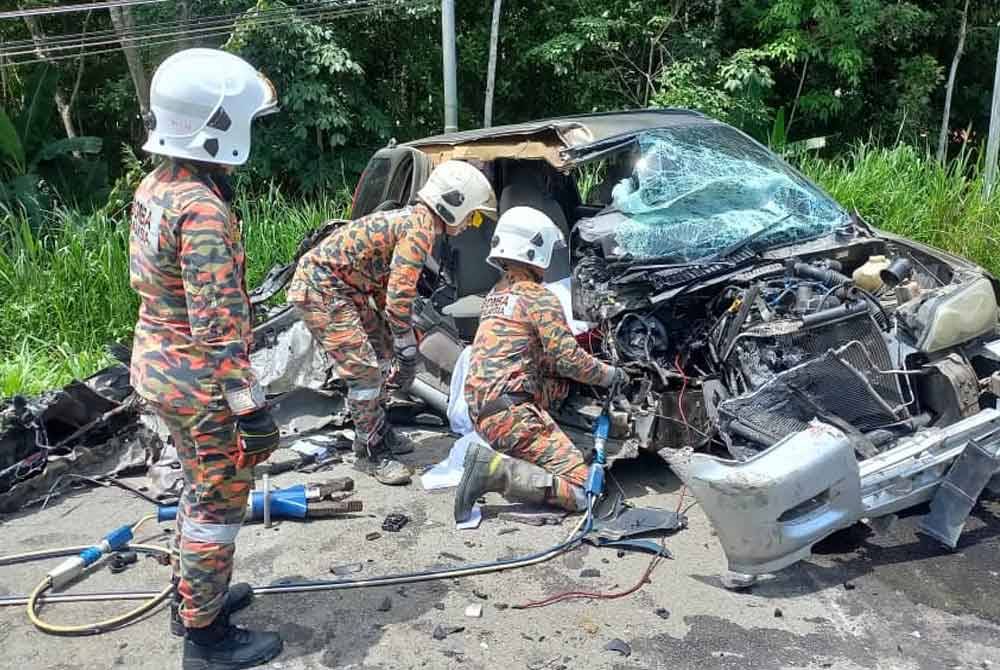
(522, 355)
(191, 354)
(368, 268)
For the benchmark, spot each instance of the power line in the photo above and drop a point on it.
(203, 26)
(69, 9)
(167, 37)
(72, 40)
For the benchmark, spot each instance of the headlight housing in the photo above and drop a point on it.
(952, 315)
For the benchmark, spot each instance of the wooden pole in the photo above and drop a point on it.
(491, 70)
(993, 143)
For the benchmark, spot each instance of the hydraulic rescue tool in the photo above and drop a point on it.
(293, 502)
(313, 501)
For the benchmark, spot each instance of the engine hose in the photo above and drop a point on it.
(576, 536)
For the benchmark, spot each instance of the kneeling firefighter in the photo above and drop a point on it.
(521, 357)
(191, 351)
(368, 268)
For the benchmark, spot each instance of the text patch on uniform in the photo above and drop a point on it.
(498, 304)
(146, 218)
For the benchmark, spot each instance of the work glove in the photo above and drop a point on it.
(405, 352)
(258, 437)
(619, 377)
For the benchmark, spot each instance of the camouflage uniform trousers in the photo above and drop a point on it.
(211, 508)
(356, 337)
(527, 432)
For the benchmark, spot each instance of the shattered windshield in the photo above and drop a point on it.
(698, 191)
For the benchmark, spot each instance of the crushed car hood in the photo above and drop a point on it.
(564, 142)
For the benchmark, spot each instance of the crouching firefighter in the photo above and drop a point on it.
(191, 352)
(521, 359)
(370, 267)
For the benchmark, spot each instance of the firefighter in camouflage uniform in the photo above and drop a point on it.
(370, 268)
(521, 359)
(191, 352)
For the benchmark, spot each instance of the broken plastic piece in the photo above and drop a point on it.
(958, 492)
(395, 522)
(620, 646)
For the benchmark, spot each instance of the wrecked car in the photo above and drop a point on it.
(798, 369)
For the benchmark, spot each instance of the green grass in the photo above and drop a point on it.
(903, 190)
(64, 293)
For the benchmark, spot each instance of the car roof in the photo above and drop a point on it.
(556, 140)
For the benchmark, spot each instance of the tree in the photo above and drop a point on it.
(942, 152)
(64, 103)
(491, 69)
(320, 89)
(124, 23)
(33, 167)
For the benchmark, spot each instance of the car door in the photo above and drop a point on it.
(390, 180)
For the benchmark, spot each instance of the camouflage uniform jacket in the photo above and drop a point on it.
(192, 340)
(522, 338)
(380, 255)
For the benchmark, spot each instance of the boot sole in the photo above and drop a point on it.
(204, 664)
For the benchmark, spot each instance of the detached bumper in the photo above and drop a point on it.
(771, 509)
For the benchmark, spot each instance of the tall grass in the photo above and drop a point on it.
(903, 190)
(65, 294)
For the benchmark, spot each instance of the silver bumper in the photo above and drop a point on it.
(771, 509)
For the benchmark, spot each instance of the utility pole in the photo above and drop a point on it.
(491, 70)
(993, 143)
(450, 60)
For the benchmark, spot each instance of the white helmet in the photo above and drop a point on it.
(202, 102)
(455, 191)
(525, 235)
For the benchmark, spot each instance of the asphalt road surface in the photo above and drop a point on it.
(864, 600)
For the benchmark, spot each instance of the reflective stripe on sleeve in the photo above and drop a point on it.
(218, 533)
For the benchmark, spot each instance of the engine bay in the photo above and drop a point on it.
(731, 357)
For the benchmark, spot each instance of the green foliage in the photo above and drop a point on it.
(34, 167)
(904, 190)
(66, 289)
(318, 84)
(844, 52)
(733, 91)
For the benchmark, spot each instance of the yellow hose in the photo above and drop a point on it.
(107, 624)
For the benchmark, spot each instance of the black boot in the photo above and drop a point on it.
(374, 456)
(238, 596)
(399, 443)
(223, 646)
(486, 471)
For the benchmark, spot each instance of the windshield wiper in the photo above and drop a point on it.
(746, 241)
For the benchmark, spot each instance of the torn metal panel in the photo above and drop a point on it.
(771, 509)
(909, 473)
(305, 411)
(288, 358)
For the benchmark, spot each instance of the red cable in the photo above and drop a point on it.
(570, 595)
